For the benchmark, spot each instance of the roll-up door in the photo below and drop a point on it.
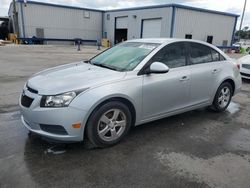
(151, 28)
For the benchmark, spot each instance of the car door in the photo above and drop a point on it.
(168, 92)
(205, 69)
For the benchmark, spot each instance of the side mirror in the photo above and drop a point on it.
(157, 68)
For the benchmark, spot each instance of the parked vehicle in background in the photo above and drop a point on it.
(245, 66)
(242, 47)
(135, 82)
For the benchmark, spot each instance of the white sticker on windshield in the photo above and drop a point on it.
(146, 46)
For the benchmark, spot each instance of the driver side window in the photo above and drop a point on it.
(173, 55)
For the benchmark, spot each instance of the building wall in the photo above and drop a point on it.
(135, 24)
(201, 24)
(59, 22)
(69, 23)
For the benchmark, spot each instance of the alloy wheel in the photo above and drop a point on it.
(111, 125)
(224, 97)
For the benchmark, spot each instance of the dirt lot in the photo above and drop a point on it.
(195, 149)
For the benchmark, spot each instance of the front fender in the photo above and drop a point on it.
(130, 90)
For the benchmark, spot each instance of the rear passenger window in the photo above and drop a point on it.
(215, 55)
(200, 54)
(222, 58)
(173, 55)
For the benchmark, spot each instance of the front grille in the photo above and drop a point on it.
(246, 66)
(244, 74)
(26, 101)
(54, 129)
(32, 90)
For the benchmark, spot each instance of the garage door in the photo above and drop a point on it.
(151, 28)
(122, 23)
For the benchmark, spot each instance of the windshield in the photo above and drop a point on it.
(125, 56)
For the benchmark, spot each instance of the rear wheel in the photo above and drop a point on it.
(109, 124)
(223, 97)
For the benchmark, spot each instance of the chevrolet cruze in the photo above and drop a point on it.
(244, 64)
(132, 83)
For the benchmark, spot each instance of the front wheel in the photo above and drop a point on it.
(223, 97)
(109, 124)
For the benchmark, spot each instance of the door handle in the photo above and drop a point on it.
(184, 78)
(214, 71)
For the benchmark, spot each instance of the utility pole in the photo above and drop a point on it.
(15, 19)
(243, 13)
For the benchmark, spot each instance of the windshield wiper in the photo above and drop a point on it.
(87, 61)
(105, 66)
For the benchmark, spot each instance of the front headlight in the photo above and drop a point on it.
(62, 100)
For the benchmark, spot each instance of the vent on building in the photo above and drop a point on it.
(108, 16)
(39, 32)
(86, 14)
(210, 39)
(188, 36)
(224, 42)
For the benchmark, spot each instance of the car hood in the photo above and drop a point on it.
(72, 77)
(245, 60)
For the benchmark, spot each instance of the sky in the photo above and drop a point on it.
(232, 6)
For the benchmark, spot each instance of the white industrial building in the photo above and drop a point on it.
(50, 21)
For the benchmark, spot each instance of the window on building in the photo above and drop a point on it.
(210, 39)
(105, 35)
(108, 16)
(200, 53)
(86, 14)
(188, 36)
(224, 42)
(172, 55)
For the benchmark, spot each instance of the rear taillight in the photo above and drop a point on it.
(237, 63)
(238, 66)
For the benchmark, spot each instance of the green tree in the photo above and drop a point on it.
(244, 33)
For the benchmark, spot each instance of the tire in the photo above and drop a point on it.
(108, 124)
(222, 97)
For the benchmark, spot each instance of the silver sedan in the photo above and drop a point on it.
(244, 63)
(135, 82)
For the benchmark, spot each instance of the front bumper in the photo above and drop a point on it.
(34, 117)
(245, 74)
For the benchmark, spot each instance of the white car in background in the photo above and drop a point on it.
(245, 66)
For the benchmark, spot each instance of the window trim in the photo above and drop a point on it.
(211, 49)
(189, 54)
(147, 65)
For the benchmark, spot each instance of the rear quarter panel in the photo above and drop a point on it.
(230, 71)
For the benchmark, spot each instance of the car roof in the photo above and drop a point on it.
(167, 40)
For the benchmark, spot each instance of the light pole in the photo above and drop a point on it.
(15, 18)
(243, 13)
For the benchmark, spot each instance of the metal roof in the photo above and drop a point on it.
(59, 6)
(176, 6)
(135, 8)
